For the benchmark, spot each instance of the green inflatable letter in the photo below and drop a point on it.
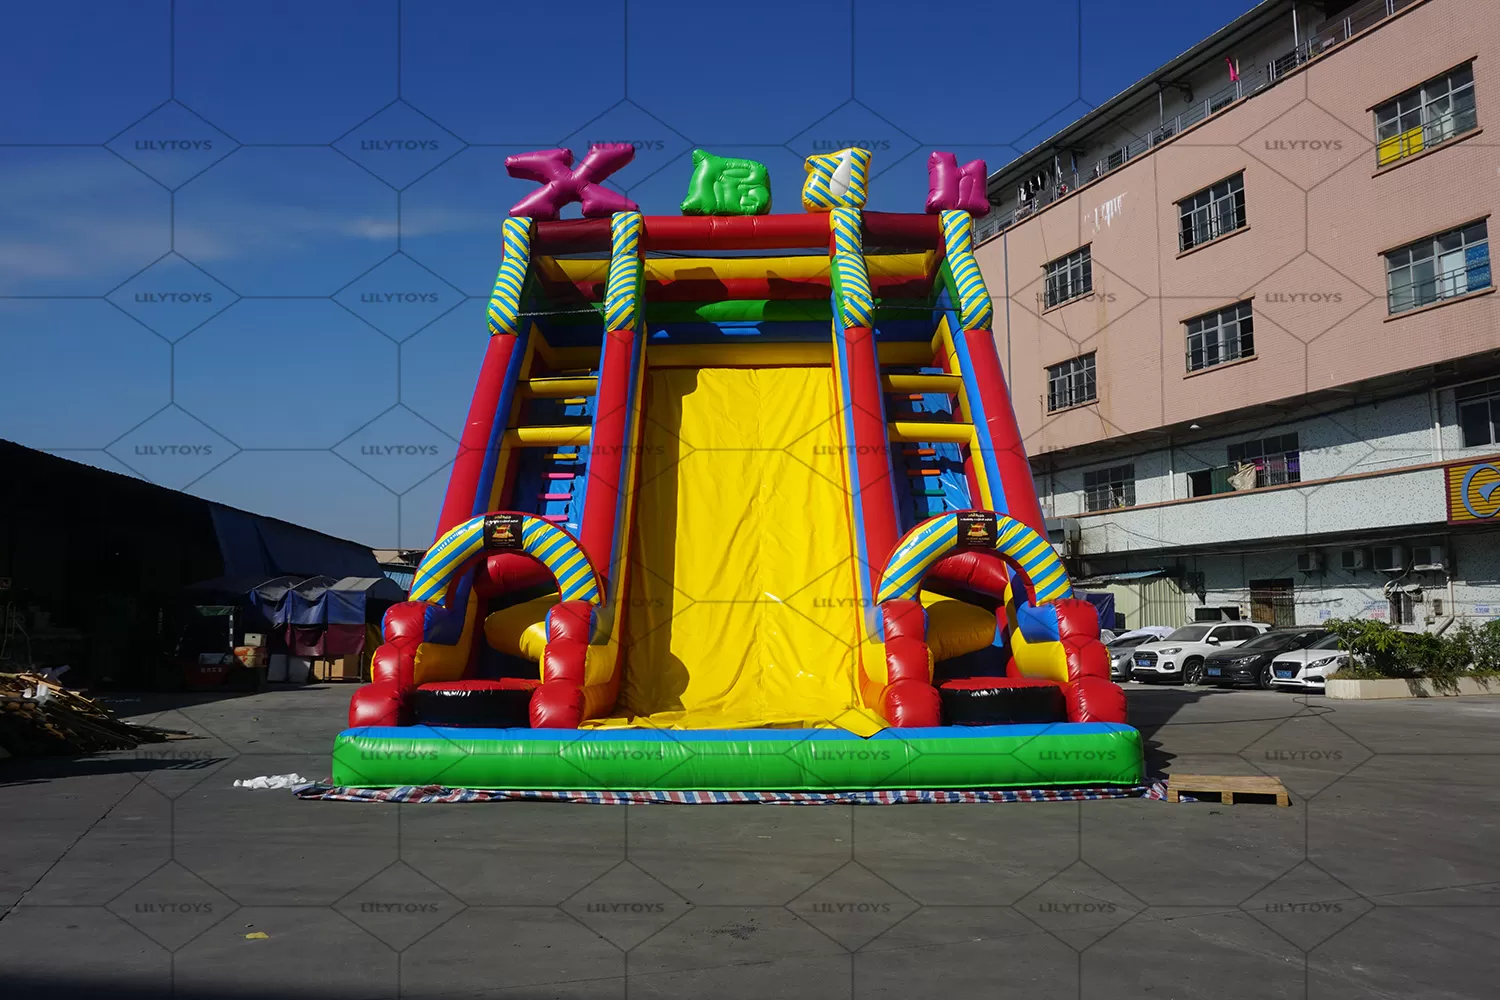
(724, 186)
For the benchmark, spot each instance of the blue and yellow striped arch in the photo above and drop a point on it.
(1030, 553)
(554, 548)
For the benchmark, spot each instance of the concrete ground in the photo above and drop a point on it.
(146, 874)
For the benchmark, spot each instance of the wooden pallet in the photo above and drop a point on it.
(1227, 786)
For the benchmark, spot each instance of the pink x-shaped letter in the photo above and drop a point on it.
(561, 186)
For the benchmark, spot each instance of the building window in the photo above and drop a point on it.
(1270, 461)
(1277, 460)
(1217, 337)
(1438, 267)
(1479, 412)
(1424, 116)
(1069, 277)
(1104, 489)
(1071, 382)
(1211, 212)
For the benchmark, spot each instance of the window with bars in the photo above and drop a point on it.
(1479, 412)
(1217, 337)
(1212, 212)
(1277, 459)
(1104, 489)
(1438, 267)
(1069, 277)
(1071, 382)
(1424, 116)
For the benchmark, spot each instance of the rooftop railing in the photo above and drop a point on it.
(1251, 81)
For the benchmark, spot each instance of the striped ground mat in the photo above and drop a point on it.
(438, 793)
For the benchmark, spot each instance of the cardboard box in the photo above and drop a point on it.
(254, 639)
(251, 656)
(339, 668)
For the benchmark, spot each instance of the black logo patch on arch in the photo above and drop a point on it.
(976, 529)
(502, 531)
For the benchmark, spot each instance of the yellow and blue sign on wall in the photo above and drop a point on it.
(1473, 491)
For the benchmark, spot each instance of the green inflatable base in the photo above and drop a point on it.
(788, 760)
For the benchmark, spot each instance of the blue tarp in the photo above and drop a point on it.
(261, 547)
(269, 598)
(348, 599)
(1104, 603)
(305, 603)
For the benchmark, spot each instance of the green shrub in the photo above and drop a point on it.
(1381, 650)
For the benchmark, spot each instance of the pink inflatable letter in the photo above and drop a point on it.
(950, 186)
(561, 186)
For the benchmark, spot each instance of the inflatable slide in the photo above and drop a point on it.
(740, 504)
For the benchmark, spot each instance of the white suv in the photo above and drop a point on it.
(1179, 657)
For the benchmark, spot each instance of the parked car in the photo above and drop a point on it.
(1153, 631)
(1122, 648)
(1308, 668)
(1180, 656)
(1250, 661)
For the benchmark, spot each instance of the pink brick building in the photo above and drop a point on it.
(1249, 320)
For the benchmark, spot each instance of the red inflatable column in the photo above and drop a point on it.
(479, 431)
(1016, 485)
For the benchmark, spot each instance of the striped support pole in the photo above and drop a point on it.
(622, 294)
(971, 298)
(469, 483)
(862, 401)
(612, 457)
(856, 304)
(996, 431)
(510, 282)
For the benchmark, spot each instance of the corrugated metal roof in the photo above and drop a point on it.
(1129, 576)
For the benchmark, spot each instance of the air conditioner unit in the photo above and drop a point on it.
(1428, 558)
(1388, 558)
(1310, 562)
(1354, 559)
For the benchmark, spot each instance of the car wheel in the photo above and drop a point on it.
(1192, 671)
(1263, 677)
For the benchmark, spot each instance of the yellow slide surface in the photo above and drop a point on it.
(743, 608)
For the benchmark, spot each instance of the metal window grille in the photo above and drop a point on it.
(1071, 382)
(1069, 277)
(1212, 212)
(1479, 412)
(1426, 115)
(1438, 267)
(1221, 336)
(1277, 459)
(1104, 489)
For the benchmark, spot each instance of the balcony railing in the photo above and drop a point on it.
(1251, 81)
(1277, 470)
(1424, 290)
(1435, 132)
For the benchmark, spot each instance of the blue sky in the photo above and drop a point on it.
(205, 211)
